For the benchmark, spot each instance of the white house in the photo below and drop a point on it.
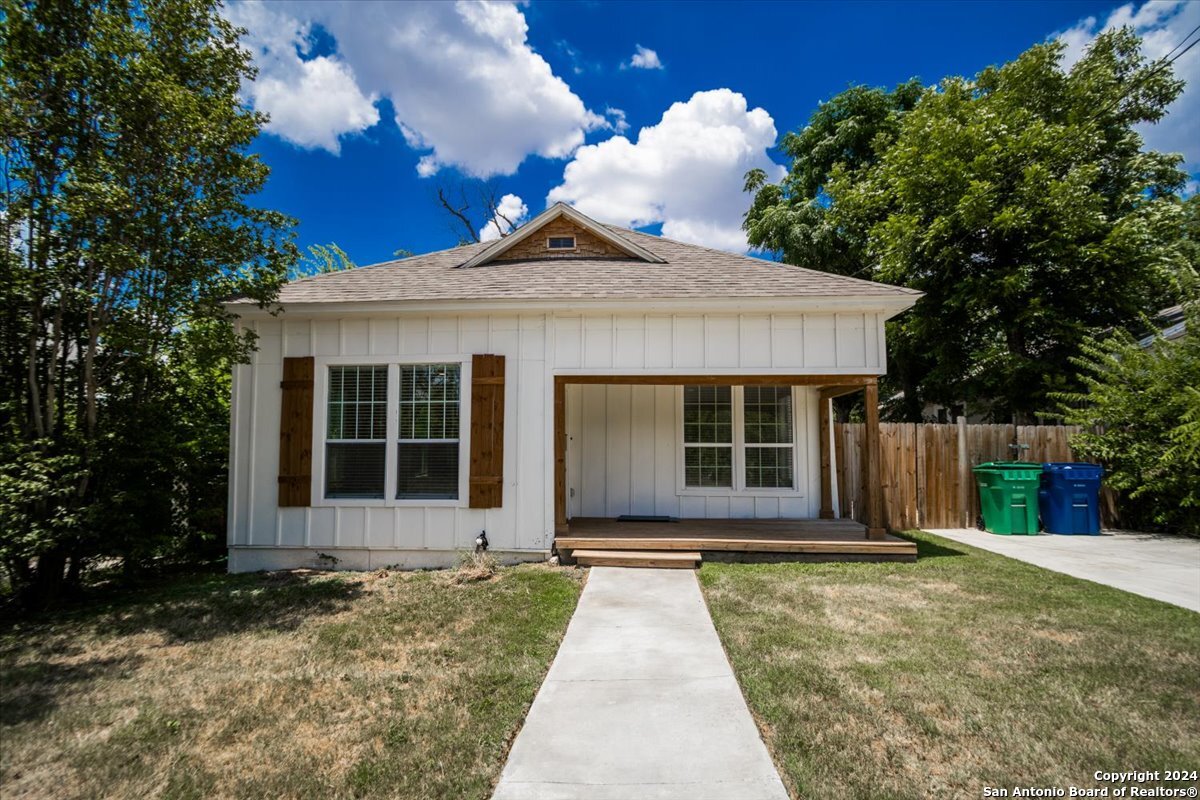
(542, 386)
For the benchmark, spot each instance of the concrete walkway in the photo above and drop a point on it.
(640, 704)
(1164, 568)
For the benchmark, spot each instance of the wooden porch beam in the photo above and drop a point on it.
(560, 458)
(824, 409)
(830, 392)
(850, 383)
(872, 487)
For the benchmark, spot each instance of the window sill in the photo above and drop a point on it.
(791, 492)
(350, 502)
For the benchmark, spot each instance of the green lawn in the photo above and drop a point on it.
(962, 670)
(288, 685)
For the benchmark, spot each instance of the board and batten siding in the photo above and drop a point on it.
(373, 535)
(536, 346)
(817, 343)
(624, 454)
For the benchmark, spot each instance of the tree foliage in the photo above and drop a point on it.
(321, 259)
(126, 223)
(1021, 202)
(848, 132)
(1140, 408)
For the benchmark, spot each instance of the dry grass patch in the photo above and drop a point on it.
(963, 670)
(474, 566)
(299, 684)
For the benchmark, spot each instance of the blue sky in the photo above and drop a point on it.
(375, 105)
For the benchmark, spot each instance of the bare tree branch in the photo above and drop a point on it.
(459, 213)
(476, 208)
(495, 215)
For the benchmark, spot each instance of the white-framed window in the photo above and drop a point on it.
(738, 439)
(708, 437)
(392, 433)
(427, 450)
(560, 243)
(769, 440)
(356, 432)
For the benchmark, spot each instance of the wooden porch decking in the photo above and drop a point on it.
(791, 539)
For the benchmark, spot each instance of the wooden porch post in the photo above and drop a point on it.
(560, 456)
(826, 477)
(873, 486)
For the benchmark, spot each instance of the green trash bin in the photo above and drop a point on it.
(1008, 496)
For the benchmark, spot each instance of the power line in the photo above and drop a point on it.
(1162, 66)
(1185, 38)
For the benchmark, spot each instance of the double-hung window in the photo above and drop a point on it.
(769, 441)
(356, 432)
(740, 438)
(427, 452)
(417, 404)
(708, 436)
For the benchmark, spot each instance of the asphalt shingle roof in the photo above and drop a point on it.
(689, 271)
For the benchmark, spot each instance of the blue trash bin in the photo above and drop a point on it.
(1069, 499)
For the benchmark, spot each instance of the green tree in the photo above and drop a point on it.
(126, 223)
(1140, 410)
(848, 132)
(794, 218)
(1022, 203)
(321, 258)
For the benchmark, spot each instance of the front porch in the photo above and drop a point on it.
(640, 449)
(717, 539)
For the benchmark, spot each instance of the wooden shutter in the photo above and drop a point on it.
(487, 431)
(295, 432)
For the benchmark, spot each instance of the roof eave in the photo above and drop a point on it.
(890, 305)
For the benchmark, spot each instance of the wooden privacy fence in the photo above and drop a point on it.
(925, 469)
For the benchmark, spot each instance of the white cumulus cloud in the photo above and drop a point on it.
(311, 101)
(511, 211)
(616, 119)
(645, 58)
(685, 172)
(465, 84)
(1162, 24)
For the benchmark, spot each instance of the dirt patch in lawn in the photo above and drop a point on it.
(280, 685)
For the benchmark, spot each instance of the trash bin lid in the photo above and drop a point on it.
(1017, 470)
(1076, 470)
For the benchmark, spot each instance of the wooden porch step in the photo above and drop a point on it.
(746, 545)
(672, 559)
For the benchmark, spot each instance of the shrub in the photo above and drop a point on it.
(1141, 416)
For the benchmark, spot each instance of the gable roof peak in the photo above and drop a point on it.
(554, 212)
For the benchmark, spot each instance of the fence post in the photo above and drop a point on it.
(964, 474)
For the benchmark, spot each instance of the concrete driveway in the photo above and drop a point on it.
(1164, 568)
(640, 703)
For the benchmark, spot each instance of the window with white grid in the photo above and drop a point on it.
(769, 441)
(427, 451)
(356, 432)
(708, 437)
(740, 438)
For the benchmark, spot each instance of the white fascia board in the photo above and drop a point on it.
(884, 304)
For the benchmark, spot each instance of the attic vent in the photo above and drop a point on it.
(560, 243)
